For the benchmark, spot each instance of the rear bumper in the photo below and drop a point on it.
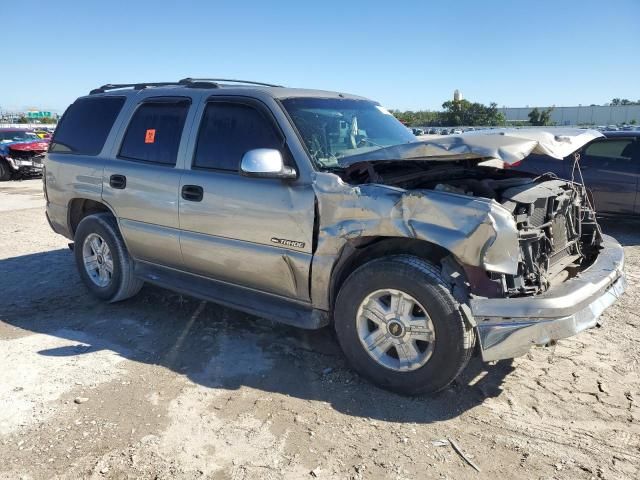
(57, 218)
(508, 327)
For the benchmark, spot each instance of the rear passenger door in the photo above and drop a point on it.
(142, 178)
(253, 232)
(610, 169)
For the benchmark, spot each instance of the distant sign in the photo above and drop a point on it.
(34, 114)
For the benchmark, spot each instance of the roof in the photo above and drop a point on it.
(219, 87)
(622, 133)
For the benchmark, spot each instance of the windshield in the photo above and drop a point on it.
(17, 136)
(338, 128)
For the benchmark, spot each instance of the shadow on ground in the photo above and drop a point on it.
(214, 346)
(221, 348)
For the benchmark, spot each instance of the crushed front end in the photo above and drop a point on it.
(547, 273)
(557, 233)
(568, 271)
(24, 158)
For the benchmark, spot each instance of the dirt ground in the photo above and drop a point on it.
(165, 386)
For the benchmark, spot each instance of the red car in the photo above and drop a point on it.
(21, 153)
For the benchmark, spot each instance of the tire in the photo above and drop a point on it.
(5, 171)
(118, 282)
(438, 361)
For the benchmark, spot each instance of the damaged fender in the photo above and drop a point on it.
(477, 231)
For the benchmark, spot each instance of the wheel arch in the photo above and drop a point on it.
(79, 208)
(357, 252)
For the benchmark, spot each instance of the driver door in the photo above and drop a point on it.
(254, 232)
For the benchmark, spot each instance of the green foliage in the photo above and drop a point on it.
(540, 117)
(456, 113)
(623, 101)
(416, 119)
(463, 112)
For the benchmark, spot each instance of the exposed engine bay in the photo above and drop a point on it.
(557, 228)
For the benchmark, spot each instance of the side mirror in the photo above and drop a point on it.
(265, 163)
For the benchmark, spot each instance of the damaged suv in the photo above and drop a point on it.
(317, 208)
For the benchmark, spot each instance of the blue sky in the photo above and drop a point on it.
(407, 55)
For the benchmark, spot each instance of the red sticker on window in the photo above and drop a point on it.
(150, 136)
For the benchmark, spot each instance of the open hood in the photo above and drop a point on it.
(508, 145)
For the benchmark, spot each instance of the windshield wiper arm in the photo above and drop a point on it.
(371, 142)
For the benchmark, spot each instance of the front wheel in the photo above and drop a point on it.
(399, 325)
(5, 171)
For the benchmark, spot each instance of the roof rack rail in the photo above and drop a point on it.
(228, 80)
(142, 85)
(136, 86)
(187, 82)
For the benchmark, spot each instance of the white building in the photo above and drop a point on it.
(580, 115)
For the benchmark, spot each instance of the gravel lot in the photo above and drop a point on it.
(165, 386)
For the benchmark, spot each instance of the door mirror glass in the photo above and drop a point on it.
(265, 163)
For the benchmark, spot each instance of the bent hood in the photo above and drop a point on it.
(36, 145)
(508, 145)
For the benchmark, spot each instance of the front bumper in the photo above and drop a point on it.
(508, 327)
(25, 166)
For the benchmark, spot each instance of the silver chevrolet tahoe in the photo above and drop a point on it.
(316, 208)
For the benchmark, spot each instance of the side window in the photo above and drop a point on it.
(611, 149)
(228, 131)
(154, 133)
(85, 125)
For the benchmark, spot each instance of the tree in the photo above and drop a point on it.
(540, 118)
(464, 112)
(416, 119)
(623, 101)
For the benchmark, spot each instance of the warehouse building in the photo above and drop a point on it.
(580, 115)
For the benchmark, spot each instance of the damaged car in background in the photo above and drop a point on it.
(417, 252)
(21, 153)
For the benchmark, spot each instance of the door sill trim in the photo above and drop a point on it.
(266, 305)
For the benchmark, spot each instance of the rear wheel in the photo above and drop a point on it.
(399, 325)
(103, 260)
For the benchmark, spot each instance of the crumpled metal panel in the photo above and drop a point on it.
(466, 226)
(508, 145)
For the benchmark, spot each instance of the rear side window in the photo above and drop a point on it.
(228, 131)
(618, 148)
(154, 133)
(85, 125)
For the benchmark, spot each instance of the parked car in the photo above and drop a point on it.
(417, 131)
(21, 153)
(315, 208)
(44, 134)
(610, 167)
